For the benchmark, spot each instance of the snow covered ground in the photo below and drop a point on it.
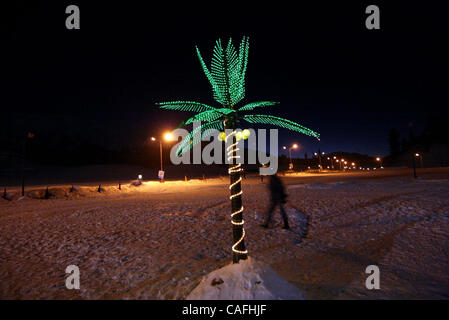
(157, 241)
(247, 280)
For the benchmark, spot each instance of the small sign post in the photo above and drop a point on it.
(161, 175)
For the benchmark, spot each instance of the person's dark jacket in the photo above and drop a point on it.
(277, 189)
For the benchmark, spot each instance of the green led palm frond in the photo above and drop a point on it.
(280, 122)
(195, 136)
(218, 95)
(238, 90)
(209, 115)
(227, 72)
(234, 73)
(219, 69)
(253, 105)
(185, 106)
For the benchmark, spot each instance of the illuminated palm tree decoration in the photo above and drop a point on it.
(227, 78)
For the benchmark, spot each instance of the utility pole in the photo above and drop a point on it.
(160, 152)
(291, 163)
(414, 167)
(319, 159)
(419, 155)
(23, 166)
(29, 136)
(168, 137)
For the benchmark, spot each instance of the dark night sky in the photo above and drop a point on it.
(328, 71)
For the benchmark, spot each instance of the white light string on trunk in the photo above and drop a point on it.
(232, 154)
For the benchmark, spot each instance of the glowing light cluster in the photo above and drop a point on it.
(239, 135)
(235, 168)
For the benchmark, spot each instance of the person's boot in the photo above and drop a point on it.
(286, 226)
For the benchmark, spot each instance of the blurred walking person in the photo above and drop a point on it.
(278, 197)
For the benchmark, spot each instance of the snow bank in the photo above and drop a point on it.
(247, 280)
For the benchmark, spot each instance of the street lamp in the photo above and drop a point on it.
(341, 163)
(378, 159)
(332, 161)
(318, 155)
(418, 155)
(289, 165)
(168, 136)
(319, 160)
(414, 165)
(294, 146)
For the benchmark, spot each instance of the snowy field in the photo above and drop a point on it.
(157, 241)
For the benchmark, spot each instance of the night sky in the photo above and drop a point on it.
(329, 72)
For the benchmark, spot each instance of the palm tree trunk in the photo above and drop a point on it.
(239, 251)
(238, 247)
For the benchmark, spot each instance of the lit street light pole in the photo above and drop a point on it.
(160, 153)
(414, 167)
(168, 137)
(160, 148)
(420, 159)
(290, 152)
(332, 163)
(294, 146)
(378, 159)
(320, 166)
